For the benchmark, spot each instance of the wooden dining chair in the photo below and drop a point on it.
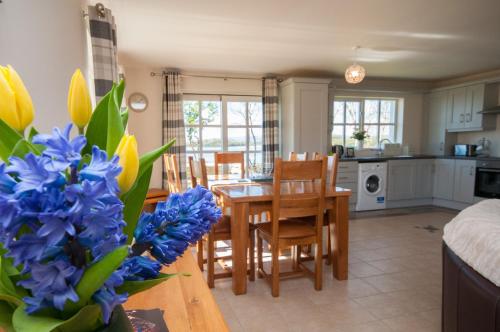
(221, 231)
(286, 228)
(229, 158)
(295, 156)
(316, 156)
(173, 176)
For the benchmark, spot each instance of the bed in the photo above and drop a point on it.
(471, 270)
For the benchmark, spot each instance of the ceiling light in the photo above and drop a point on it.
(355, 73)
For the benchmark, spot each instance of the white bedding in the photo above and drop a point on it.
(474, 236)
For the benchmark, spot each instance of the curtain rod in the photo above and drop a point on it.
(163, 74)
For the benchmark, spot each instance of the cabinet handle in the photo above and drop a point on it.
(471, 171)
(461, 118)
(343, 178)
(441, 146)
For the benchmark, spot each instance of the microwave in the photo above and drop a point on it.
(465, 150)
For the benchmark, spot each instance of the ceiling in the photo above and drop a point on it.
(406, 39)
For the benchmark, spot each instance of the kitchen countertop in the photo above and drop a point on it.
(382, 158)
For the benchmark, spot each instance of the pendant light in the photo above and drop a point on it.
(355, 73)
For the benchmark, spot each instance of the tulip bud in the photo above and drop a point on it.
(129, 161)
(16, 106)
(79, 105)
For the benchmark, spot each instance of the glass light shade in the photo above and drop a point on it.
(355, 74)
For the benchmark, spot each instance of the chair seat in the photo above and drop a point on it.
(290, 229)
(312, 220)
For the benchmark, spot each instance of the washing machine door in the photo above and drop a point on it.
(372, 184)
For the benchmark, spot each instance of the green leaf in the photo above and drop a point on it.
(33, 132)
(115, 126)
(149, 158)
(6, 312)
(97, 129)
(133, 287)
(118, 93)
(8, 140)
(133, 202)
(8, 290)
(124, 116)
(22, 148)
(95, 276)
(87, 319)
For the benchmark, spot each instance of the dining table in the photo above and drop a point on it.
(247, 197)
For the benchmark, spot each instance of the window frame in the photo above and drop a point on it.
(224, 126)
(361, 124)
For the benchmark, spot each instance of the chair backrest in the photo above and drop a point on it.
(198, 172)
(333, 167)
(173, 175)
(316, 156)
(295, 156)
(227, 158)
(299, 199)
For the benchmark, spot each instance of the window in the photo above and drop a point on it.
(224, 123)
(376, 116)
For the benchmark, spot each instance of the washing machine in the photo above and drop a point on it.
(372, 184)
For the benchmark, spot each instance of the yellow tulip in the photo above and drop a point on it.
(79, 105)
(129, 161)
(16, 106)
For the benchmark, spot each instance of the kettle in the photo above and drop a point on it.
(338, 149)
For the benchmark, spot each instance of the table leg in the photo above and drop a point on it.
(339, 235)
(239, 243)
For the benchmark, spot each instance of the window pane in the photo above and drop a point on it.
(212, 139)
(192, 139)
(372, 140)
(191, 112)
(209, 162)
(388, 111)
(210, 112)
(236, 113)
(352, 109)
(255, 138)
(387, 132)
(236, 139)
(338, 112)
(349, 130)
(371, 111)
(255, 162)
(338, 135)
(255, 114)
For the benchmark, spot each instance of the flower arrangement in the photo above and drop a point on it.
(72, 236)
(360, 135)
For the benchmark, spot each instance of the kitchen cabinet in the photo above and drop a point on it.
(463, 187)
(444, 177)
(456, 108)
(401, 179)
(304, 115)
(438, 141)
(347, 177)
(424, 178)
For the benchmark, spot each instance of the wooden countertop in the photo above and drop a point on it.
(187, 302)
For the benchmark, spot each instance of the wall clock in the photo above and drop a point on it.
(138, 102)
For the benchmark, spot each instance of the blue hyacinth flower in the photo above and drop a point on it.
(100, 169)
(140, 268)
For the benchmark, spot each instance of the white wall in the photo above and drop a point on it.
(492, 135)
(45, 42)
(147, 126)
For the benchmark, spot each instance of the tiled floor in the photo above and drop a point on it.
(394, 282)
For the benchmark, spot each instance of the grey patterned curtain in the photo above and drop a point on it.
(103, 38)
(173, 122)
(271, 122)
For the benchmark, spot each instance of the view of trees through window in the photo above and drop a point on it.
(376, 116)
(224, 123)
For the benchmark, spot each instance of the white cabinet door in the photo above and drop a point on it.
(456, 105)
(436, 129)
(401, 180)
(444, 176)
(424, 178)
(465, 174)
(474, 104)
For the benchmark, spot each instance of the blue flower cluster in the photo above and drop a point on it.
(61, 213)
(182, 220)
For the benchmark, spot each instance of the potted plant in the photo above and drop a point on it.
(360, 136)
(74, 244)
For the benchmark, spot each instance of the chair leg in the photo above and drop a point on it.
(260, 264)
(275, 274)
(318, 269)
(200, 254)
(211, 260)
(329, 248)
(251, 255)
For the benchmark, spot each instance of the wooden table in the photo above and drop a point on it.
(251, 198)
(187, 302)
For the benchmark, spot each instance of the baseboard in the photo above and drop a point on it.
(408, 203)
(449, 204)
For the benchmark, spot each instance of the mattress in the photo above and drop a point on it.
(474, 236)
